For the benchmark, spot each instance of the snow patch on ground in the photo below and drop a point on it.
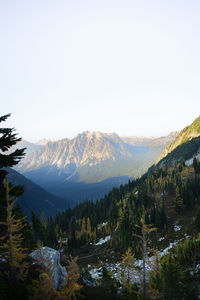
(2, 259)
(161, 239)
(166, 250)
(116, 269)
(197, 268)
(177, 227)
(103, 241)
(64, 241)
(103, 224)
(95, 273)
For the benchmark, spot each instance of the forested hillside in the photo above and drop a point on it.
(100, 189)
(140, 241)
(167, 198)
(34, 197)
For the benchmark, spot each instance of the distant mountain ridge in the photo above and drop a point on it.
(151, 141)
(30, 147)
(43, 142)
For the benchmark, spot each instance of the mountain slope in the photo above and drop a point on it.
(188, 133)
(186, 151)
(35, 198)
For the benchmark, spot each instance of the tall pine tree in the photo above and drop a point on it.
(7, 160)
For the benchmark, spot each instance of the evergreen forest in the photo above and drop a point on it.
(139, 241)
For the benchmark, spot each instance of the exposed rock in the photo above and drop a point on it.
(89, 157)
(51, 258)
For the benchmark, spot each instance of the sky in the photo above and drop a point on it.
(130, 67)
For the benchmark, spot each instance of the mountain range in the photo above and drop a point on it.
(90, 164)
(66, 172)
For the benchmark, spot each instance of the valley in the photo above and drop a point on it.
(99, 150)
(90, 165)
(140, 237)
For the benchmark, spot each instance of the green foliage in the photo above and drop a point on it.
(196, 165)
(171, 277)
(197, 220)
(7, 140)
(14, 263)
(177, 277)
(29, 241)
(108, 282)
(124, 207)
(15, 233)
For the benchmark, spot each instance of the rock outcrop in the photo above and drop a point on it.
(51, 259)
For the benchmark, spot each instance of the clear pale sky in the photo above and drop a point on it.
(130, 67)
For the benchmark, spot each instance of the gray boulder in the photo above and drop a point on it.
(51, 258)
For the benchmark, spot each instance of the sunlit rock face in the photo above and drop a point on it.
(51, 259)
(91, 157)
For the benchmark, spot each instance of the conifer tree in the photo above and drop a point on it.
(88, 226)
(83, 226)
(107, 281)
(43, 220)
(43, 288)
(8, 139)
(197, 220)
(196, 165)
(12, 240)
(146, 229)
(37, 227)
(171, 276)
(128, 265)
(71, 286)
